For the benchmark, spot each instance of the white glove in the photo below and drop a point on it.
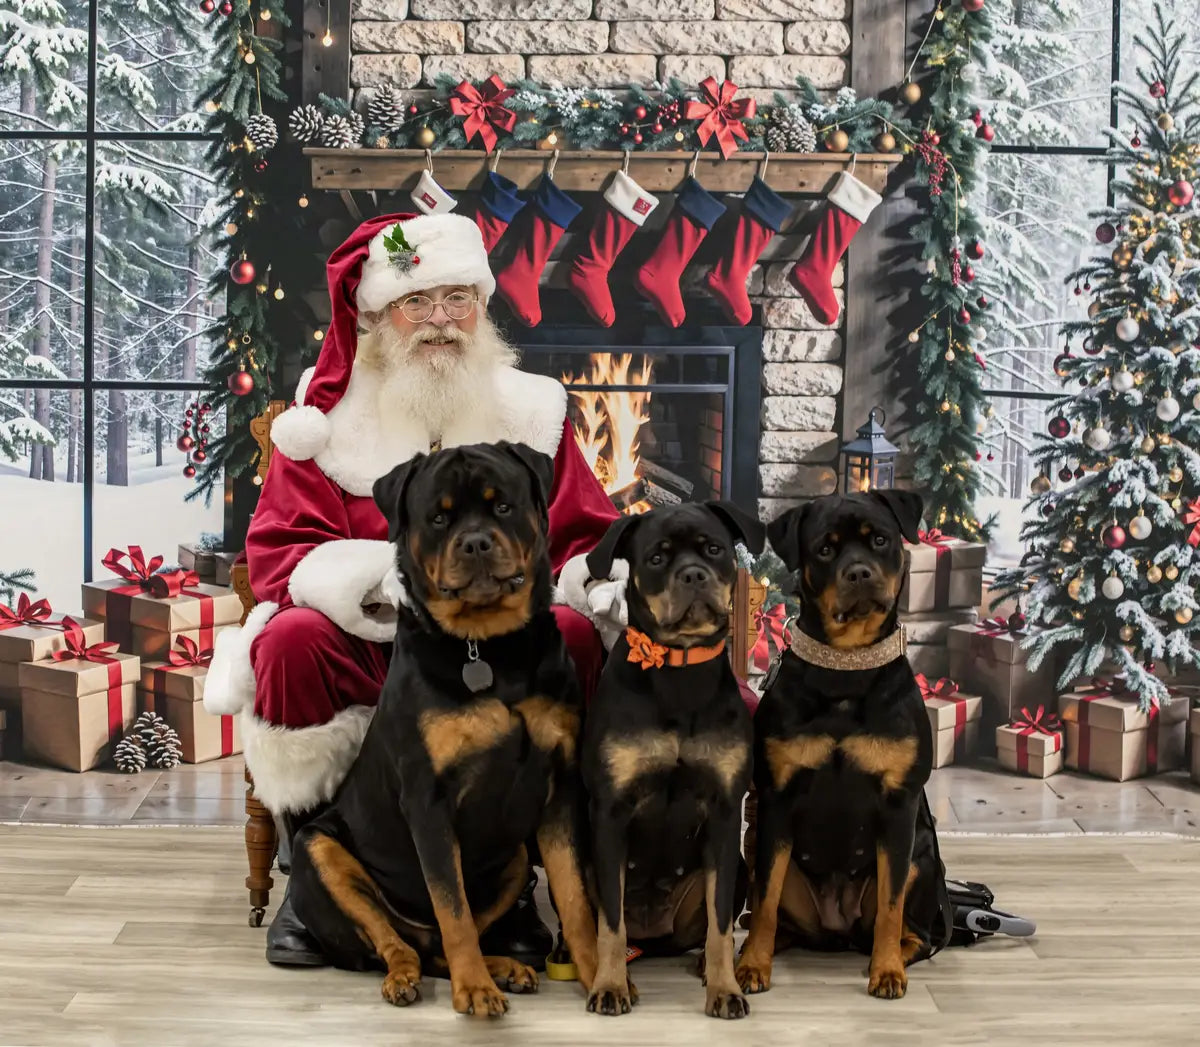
(392, 590)
(342, 578)
(600, 600)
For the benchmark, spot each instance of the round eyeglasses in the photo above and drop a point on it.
(418, 308)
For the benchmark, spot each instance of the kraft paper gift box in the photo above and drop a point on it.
(943, 573)
(1032, 744)
(77, 706)
(1194, 733)
(927, 633)
(154, 645)
(33, 643)
(202, 736)
(953, 719)
(180, 675)
(224, 568)
(197, 558)
(1109, 736)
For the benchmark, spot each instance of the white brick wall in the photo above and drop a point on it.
(762, 45)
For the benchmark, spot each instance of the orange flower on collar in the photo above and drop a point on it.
(643, 650)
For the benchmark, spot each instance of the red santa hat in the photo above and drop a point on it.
(366, 273)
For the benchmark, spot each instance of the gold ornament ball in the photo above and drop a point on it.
(1126, 633)
(910, 93)
(1147, 445)
(885, 142)
(1175, 474)
(1171, 572)
(1165, 121)
(279, 294)
(1183, 615)
(1067, 545)
(837, 141)
(1094, 309)
(551, 141)
(1177, 504)
(425, 138)
(231, 228)
(1075, 588)
(1041, 484)
(1122, 256)
(1154, 574)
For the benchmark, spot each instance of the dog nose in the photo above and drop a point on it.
(859, 573)
(474, 543)
(694, 575)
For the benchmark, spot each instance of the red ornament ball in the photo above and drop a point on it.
(974, 6)
(189, 470)
(1059, 427)
(969, 274)
(1106, 232)
(206, 406)
(640, 112)
(1136, 140)
(1017, 621)
(1158, 89)
(208, 6)
(199, 454)
(964, 315)
(1181, 193)
(977, 116)
(657, 129)
(986, 132)
(242, 272)
(226, 8)
(185, 443)
(637, 138)
(204, 430)
(240, 383)
(1149, 667)
(982, 301)
(1078, 474)
(976, 250)
(1113, 536)
(413, 109)
(1113, 488)
(260, 165)
(1064, 474)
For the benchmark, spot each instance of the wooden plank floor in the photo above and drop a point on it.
(138, 935)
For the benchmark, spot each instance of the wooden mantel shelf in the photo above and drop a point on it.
(588, 170)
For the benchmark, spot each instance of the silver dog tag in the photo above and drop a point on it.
(476, 673)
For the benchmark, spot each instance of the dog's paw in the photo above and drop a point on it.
(887, 983)
(483, 1000)
(611, 999)
(511, 975)
(402, 987)
(753, 977)
(726, 1005)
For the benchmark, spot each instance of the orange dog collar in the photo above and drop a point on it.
(650, 655)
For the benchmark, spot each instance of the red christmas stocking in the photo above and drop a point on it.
(498, 206)
(763, 213)
(553, 211)
(658, 279)
(628, 207)
(850, 203)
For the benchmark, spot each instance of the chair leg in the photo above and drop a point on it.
(748, 845)
(261, 842)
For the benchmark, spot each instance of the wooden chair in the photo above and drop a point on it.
(262, 834)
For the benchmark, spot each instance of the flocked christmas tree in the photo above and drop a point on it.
(1114, 538)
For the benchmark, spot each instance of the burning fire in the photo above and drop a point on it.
(609, 423)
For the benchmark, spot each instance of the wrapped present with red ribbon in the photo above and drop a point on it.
(1109, 735)
(32, 630)
(943, 573)
(77, 705)
(772, 636)
(989, 659)
(1032, 744)
(174, 688)
(180, 674)
(953, 719)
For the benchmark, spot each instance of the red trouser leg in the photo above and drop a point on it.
(583, 645)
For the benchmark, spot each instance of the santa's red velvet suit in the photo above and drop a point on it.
(306, 669)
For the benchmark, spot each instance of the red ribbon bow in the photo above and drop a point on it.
(1191, 515)
(172, 583)
(942, 688)
(138, 571)
(1040, 722)
(482, 111)
(932, 537)
(997, 627)
(189, 653)
(27, 613)
(77, 648)
(720, 115)
(768, 627)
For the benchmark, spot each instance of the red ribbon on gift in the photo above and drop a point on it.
(188, 653)
(769, 628)
(944, 687)
(1028, 724)
(719, 114)
(28, 612)
(980, 649)
(100, 653)
(173, 584)
(1191, 515)
(941, 573)
(118, 604)
(482, 111)
(947, 690)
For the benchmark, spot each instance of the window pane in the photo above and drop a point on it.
(151, 272)
(140, 486)
(1051, 71)
(1037, 231)
(49, 92)
(41, 260)
(41, 526)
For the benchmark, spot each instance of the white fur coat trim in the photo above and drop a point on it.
(295, 768)
(229, 685)
(349, 445)
(336, 577)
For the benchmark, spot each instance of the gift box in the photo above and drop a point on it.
(943, 573)
(199, 559)
(202, 736)
(180, 675)
(953, 720)
(1108, 735)
(34, 642)
(154, 645)
(1194, 742)
(927, 633)
(79, 704)
(1032, 744)
(987, 659)
(223, 574)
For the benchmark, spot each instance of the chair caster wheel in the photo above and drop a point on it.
(256, 916)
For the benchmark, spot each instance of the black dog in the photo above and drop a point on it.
(472, 752)
(667, 751)
(842, 753)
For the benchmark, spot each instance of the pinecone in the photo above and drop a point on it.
(261, 130)
(305, 123)
(386, 110)
(159, 740)
(790, 132)
(342, 132)
(130, 754)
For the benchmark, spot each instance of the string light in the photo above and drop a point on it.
(265, 14)
(303, 201)
(327, 39)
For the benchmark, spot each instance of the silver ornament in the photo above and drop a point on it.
(1122, 381)
(1128, 329)
(1140, 527)
(1167, 408)
(1113, 588)
(1097, 439)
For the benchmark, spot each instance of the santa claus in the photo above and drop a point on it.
(411, 362)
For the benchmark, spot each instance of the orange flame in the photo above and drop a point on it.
(609, 424)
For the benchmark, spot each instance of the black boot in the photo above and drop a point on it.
(520, 933)
(288, 943)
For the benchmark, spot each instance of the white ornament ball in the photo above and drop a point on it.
(1097, 439)
(931, 265)
(1122, 382)
(1113, 588)
(1196, 402)
(1140, 527)
(1167, 408)
(1127, 329)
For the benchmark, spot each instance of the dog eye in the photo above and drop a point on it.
(825, 552)
(714, 549)
(438, 520)
(881, 540)
(503, 508)
(656, 560)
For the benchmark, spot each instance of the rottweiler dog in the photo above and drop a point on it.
(842, 753)
(667, 750)
(471, 761)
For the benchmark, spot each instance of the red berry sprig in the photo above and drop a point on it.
(934, 159)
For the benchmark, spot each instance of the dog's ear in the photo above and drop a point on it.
(539, 466)
(906, 507)
(613, 545)
(784, 535)
(389, 492)
(741, 526)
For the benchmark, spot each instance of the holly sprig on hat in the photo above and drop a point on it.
(401, 254)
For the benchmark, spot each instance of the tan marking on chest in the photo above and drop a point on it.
(890, 759)
(724, 758)
(451, 737)
(551, 725)
(628, 759)
(805, 752)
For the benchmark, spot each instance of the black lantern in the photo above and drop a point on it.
(869, 460)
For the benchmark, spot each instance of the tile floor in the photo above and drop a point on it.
(981, 799)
